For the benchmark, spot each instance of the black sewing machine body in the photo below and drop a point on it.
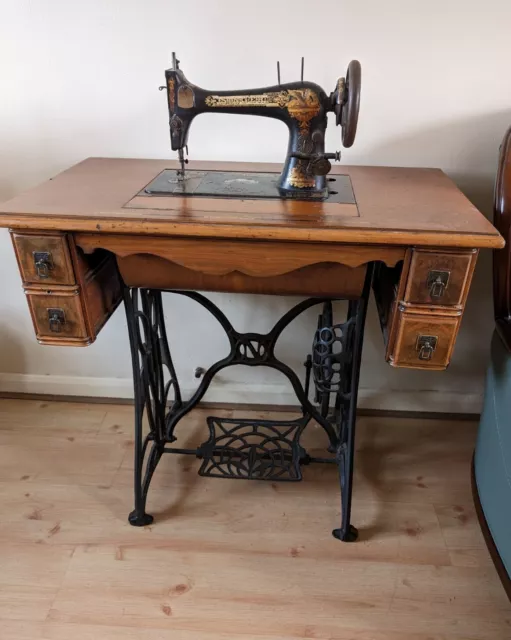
(302, 106)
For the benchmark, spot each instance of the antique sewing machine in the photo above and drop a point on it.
(302, 106)
(112, 229)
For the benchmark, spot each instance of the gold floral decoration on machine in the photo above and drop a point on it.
(301, 104)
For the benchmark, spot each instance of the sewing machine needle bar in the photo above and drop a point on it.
(181, 173)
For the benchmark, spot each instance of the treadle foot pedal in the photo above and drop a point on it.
(253, 449)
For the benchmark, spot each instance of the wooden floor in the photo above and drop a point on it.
(229, 560)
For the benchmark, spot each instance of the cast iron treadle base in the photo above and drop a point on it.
(244, 448)
(253, 449)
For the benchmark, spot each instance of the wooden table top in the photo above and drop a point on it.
(394, 205)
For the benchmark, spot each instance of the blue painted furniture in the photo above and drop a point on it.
(492, 458)
(493, 451)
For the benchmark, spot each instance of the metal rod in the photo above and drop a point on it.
(181, 172)
(278, 72)
(188, 452)
(232, 454)
(152, 368)
(302, 67)
(323, 460)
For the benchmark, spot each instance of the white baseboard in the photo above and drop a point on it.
(87, 387)
(274, 394)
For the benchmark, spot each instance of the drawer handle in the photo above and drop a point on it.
(56, 319)
(437, 283)
(43, 263)
(426, 346)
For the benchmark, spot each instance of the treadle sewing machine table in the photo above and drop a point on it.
(94, 235)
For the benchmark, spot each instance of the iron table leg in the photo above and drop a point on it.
(154, 378)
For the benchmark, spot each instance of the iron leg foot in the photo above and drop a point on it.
(349, 535)
(137, 519)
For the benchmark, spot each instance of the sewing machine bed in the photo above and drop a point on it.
(243, 185)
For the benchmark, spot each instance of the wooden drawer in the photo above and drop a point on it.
(43, 258)
(387, 283)
(421, 339)
(439, 278)
(102, 291)
(70, 295)
(58, 316)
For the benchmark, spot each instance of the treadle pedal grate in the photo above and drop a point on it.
(253, 449)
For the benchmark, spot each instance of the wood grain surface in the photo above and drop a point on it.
(322, 279)
(100, 285)
(411, 324)
(253, 258)
(395, 205)
(66, 300)
(242, 266)
(459, 267)
(61, 269)
(233, 560)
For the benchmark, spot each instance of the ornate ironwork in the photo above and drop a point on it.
(154, 379)
(252, 349)
(330, 353)
(345, 409)
(253, 449)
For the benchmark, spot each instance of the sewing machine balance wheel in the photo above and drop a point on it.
(348, 102)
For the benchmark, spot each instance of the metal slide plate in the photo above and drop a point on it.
(241, 185)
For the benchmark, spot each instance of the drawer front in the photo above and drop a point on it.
(423, 341)
(43, 259)
(439, 278)
(57, 316)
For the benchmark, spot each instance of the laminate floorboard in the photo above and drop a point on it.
(231, 560)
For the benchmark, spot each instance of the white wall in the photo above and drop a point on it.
(80, 79)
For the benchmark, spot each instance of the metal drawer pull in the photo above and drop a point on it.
(43, 263)
(437, 283)
(56, 319)
(426, 346)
